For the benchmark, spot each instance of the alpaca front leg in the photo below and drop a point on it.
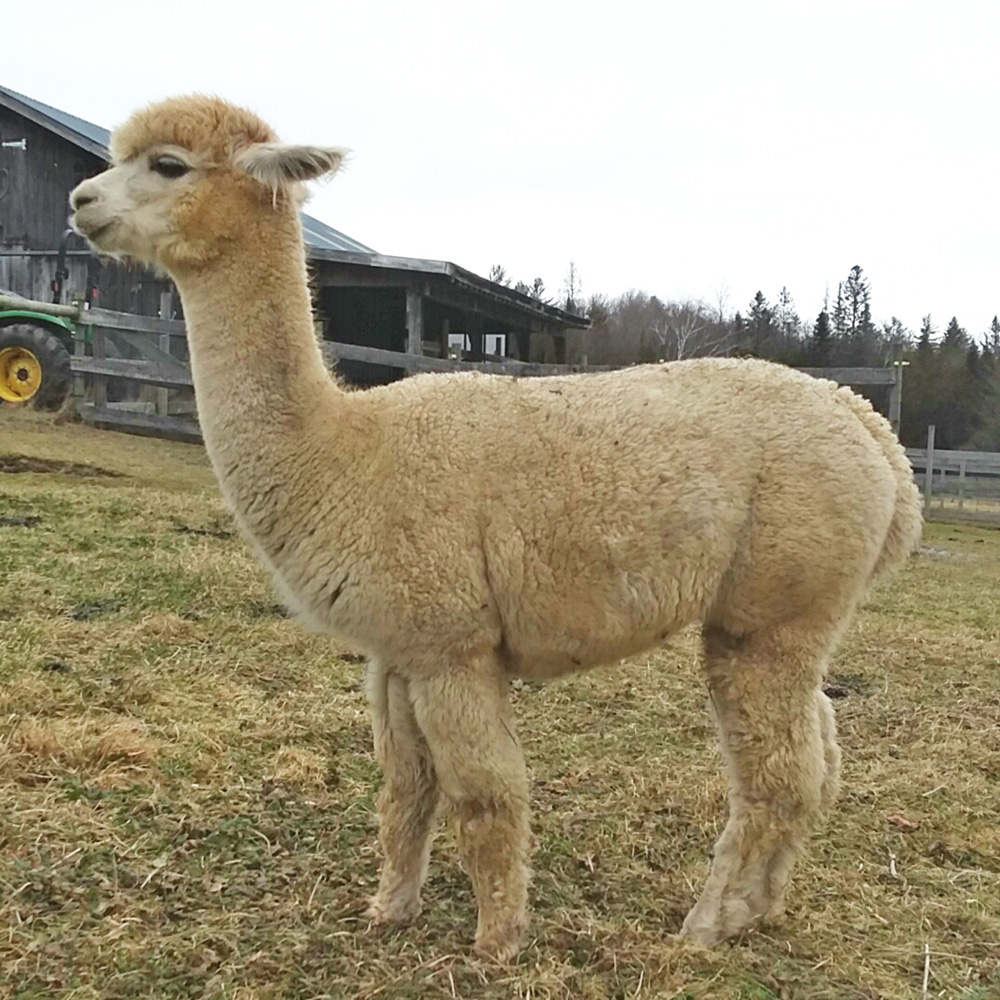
(407, 801)
(778, 742)
(466, 718)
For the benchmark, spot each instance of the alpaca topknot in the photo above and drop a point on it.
(198, 123)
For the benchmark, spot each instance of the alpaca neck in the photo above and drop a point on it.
(266, 402)
(251, 337)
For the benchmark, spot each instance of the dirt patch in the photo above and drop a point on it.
(24, 463)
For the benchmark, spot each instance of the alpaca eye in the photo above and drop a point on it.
(170, 167)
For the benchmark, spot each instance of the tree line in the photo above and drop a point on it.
(951, 380)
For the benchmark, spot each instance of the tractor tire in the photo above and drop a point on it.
(34, 368)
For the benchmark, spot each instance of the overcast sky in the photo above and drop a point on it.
(690, 149)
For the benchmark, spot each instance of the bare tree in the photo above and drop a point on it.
(573, 289)
(687, 329)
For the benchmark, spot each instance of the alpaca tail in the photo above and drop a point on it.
(903, 535)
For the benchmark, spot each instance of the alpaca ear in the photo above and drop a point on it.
(275, 164)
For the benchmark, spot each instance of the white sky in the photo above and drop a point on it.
(688, 149)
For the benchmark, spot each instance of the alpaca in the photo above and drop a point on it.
(612, 510)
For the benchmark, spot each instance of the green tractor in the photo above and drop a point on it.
(35, 352)
(36, 347)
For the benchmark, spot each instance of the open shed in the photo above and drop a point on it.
(399, 304)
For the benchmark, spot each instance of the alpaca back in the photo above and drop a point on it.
(904, 532)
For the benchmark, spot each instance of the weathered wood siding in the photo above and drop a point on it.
(35, 183)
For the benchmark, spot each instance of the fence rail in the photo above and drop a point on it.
(957, 484)
(150, 354)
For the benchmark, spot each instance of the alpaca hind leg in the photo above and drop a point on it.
(831, 752)
(465, 715)
(407, 801)
(778, 745)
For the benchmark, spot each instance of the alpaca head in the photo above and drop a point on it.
(190, 177)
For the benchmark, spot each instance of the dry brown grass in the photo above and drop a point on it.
(187, 782)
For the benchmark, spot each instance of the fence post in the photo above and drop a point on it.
(163, 342)
(896, 396)
(929, 470)
(100, 349)
(961, 482)
(79, 351)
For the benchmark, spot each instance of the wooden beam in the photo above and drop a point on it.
(182, 428)
(148, 372)
(414, 322)
(99, 346)
(148, 349)
(15, 303)
(854, 376)
(417, 363)
(128, 321)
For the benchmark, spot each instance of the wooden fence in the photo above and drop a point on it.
(960, 484)
(151, 353)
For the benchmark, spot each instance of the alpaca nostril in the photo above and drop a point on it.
(78, 199)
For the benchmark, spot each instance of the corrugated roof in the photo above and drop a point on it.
(91, 134)
(318, 235)
(322, 241)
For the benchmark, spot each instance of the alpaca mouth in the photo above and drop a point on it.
(91, 235)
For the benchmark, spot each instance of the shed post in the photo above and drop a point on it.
(414, 322)
(445, 331)
(929, 469)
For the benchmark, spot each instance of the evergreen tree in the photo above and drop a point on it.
(821, 342)
(760, 326)
(858, 331)
(788, 323)
(839, 313)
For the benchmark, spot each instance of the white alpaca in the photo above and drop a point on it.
(466, 529)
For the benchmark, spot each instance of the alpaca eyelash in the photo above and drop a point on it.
(170, 167)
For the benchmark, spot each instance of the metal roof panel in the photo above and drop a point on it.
(318, 235)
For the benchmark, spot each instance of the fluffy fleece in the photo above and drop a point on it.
(467, 529)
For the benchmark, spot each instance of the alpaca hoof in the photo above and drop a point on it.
(389, 912)
(501, 947)
(702, 934)
(712, 921)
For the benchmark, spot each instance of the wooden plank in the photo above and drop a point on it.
(417, 363)
(135, 371)
(148, 423)
(127, 321)
(951, 466)
(99, 345)
(163, 342)
(956, 454)
(33, 305)
(854, 376)
(414, 322)
(896, 398)
(147, 348)
(929, 469)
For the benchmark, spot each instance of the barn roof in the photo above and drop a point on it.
(94, 139)
(323, 241)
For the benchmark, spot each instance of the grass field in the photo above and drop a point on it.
(187, 782)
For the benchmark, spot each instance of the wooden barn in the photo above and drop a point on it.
(363, 298)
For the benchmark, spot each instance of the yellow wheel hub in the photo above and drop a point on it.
(20, 374)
